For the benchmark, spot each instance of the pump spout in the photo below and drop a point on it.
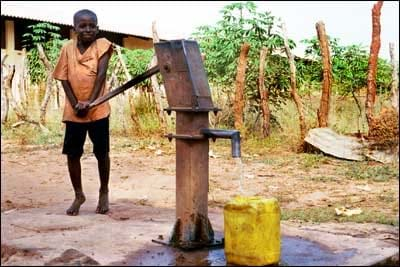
(234, 135)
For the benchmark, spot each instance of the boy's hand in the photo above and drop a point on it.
(81, 108)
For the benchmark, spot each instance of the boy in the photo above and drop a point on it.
(82, 68)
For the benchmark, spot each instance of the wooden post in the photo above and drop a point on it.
(323, 110)
(155, 85)
(24, 80)
(49, 70)
(238, 104)
(4, 99)
(131, 93)
(373, 61)
(395, 79)
(264, 94)
(293, 89)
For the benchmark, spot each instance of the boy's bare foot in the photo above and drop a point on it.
(74, 209)
(102, 206)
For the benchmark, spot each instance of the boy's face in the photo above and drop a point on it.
(86, 28)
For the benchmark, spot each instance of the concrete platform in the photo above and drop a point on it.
(123, 237)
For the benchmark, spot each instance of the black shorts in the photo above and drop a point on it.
(75, 136)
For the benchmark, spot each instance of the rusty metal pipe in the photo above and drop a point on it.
(234, 135)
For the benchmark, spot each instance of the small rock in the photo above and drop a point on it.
(72, 257)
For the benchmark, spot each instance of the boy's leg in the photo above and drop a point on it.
(99, 134)
(75, 134)
(104, 172)
(74, 168)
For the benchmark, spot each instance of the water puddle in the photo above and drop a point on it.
(295, 251)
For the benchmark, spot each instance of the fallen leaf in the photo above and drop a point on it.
(364, 187)
(265, 175)
(9, 211)
(343, 211)
(212, 155)
(151, 147)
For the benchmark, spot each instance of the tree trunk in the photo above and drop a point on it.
(264, 94)
(293, 89)
(395, 79)
(4, 99)
(19, 112)
(49, 79)
(57, 96)
(121, 99)
(373, 61)
(155, 85)
(7, 90)
(238, 104)
(23, 81)
(131, 93)
(11, 102)
(323, 110)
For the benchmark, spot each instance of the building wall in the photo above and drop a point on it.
(131, 42)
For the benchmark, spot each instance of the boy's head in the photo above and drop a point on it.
(85, 25)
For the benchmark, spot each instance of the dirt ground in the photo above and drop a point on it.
(34, 176)
(37, 177)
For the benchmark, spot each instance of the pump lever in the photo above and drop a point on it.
(127, 85)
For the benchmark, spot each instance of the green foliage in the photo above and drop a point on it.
(47, 35)
(40, 33)
(349, 67)
(27, 134)
(324, 214)
(136, 62)
(377, 173)
(310, 161)
(241, 23)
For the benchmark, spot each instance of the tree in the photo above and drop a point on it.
(264, 94)
(349, 67)
(293, 88)
(44, 44)
(221, 43)
(46, 35)
(238, 104)
(395, 79)
(323, 111)
(373, 61)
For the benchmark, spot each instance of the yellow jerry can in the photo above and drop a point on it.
(252, 231)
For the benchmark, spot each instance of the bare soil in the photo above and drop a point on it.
(37, 177)
(34, 176)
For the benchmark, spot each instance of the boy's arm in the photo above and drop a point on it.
(78, 107)
(101, 76)
(69, 93)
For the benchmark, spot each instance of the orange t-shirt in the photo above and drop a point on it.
(81, 71)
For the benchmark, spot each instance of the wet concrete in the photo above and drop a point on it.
(124, 238)
(295, 251)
